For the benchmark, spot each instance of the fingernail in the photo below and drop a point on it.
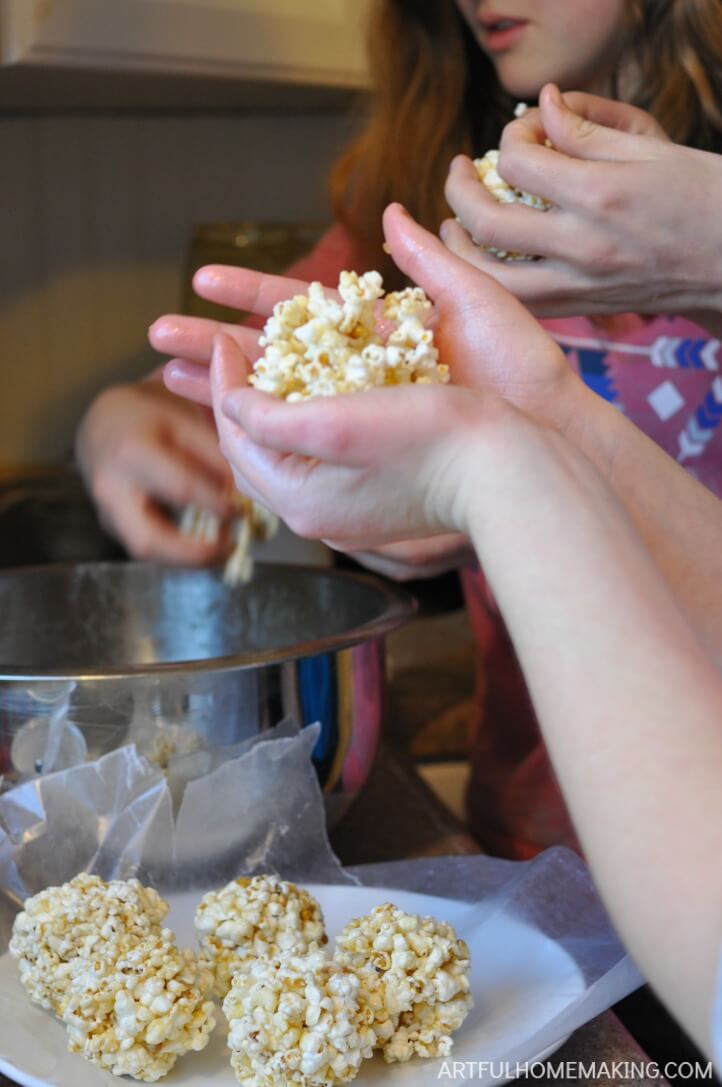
(444, 230)
(207, 275)
(555, 95)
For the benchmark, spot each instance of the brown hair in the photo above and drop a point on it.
(678, 49)
(436, 93)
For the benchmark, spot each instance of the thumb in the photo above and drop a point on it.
(581, 137)
(229, 371)
(425, 259)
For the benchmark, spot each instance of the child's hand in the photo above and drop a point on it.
(358, 470)
(144, 453)
(485, 336)
(635, 225)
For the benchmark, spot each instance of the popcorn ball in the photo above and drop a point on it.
(136, 1014)
(60, 924)
(297, 1020)
(255, 918)
(424, 974)
(315, 345)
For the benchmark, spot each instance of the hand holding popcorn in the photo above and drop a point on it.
(623, 235)
(319, 345)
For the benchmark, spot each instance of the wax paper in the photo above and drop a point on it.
(260, 809)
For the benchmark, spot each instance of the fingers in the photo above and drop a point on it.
(190, 380)
(352, 430)
(192, 337)
(148, 533)
(608, 112)
(229, 370)
(458, 241)
(547, 288)
(245, 289)
(511, 227)
(251, 466)
(446, 278)
(600, 130)
(529, 165)
(198, 441)
(177, 479)
(408, 560)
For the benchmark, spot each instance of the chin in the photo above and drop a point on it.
(519, 82)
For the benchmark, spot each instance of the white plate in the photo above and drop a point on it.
(520, 980)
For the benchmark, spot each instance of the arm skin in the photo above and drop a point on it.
(635, 226)
(629, 703)
(630, 708)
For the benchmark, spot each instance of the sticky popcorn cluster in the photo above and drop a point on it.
(95, 953)
(319, 345)
(252, 919)
(423, 973)
(297, 1020)
(61, 924)
(132, 1002)
(137, 1014)
(397, 983)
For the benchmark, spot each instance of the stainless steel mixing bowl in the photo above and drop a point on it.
(174, 659)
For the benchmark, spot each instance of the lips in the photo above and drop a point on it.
(501, 31)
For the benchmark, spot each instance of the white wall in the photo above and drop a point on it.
(95, 216)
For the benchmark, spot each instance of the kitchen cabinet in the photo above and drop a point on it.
(293, 41)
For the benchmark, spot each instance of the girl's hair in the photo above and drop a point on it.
(436, 94)
(677, 45)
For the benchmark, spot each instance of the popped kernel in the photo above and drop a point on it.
(315, 345)
(60, 924)
(255, 918)
(297, 1020)
(416, 971)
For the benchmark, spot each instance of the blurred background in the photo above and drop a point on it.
(139, 140)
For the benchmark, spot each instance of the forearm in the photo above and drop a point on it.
(678, 518)
(630, 708)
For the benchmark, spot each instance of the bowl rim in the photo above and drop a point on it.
(398, 607)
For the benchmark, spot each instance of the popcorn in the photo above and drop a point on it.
(320, 346)
(255, 918)
(423, 971)
(487, 169)
(297, 1020)
(251, 522)
(166, 742)
(61, 924)
(134, 1015)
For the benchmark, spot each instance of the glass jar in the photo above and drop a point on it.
(268, 247)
